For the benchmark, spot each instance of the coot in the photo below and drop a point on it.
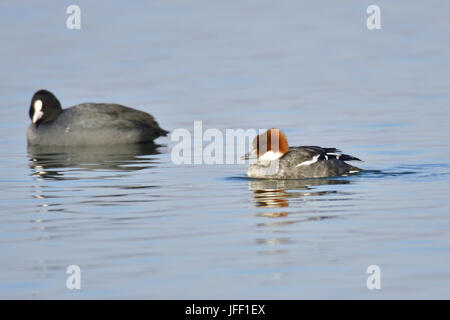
(88, 123)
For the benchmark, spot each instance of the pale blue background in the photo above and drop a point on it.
(141, 227)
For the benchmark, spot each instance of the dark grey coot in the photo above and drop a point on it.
(88, 123)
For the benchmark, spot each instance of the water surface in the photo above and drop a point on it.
(140, 226)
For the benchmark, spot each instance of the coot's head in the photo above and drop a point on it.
(44, 107)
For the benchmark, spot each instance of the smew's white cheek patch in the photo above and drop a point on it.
(270, 156)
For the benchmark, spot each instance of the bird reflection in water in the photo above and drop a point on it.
(51, 162)
(276, 193)
(99, 164)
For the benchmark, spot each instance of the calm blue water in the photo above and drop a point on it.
(142, 227)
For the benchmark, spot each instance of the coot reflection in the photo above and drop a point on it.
(50, 162)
